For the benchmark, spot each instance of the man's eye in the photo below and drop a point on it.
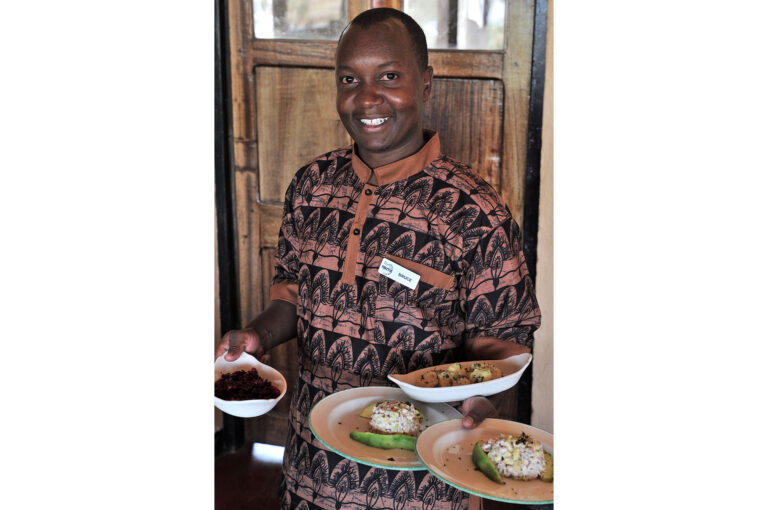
(347, 80)
(390, 76)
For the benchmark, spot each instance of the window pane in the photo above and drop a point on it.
(460, 24)
(299, 19)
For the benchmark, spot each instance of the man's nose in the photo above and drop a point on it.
(368, 94)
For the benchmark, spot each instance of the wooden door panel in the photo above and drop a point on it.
(468, 115)
(271, 219)
(296, 121)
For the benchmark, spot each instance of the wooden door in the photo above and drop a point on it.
(283, 110)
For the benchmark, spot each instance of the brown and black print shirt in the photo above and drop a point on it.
(431, 215)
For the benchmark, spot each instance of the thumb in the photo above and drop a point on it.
(476, 409)
(471, 419)
(236, 347)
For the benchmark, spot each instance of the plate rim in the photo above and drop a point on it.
(366, 463)
(470, 491)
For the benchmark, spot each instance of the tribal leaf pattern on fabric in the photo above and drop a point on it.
(455, 232)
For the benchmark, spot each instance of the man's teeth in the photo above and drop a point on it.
(373, 122)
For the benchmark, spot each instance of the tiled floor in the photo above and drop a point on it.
(249, 478)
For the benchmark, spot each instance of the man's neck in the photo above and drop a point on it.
(375, 160)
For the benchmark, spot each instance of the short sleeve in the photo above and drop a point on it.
(285, 281)
(497, 290)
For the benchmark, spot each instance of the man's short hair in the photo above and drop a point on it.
(371, 17)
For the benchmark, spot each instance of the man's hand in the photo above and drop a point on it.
(475, 410)
(234, 342)
(273, 326)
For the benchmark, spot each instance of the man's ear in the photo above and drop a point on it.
(427, 83)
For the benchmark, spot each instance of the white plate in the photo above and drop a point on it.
(512, 369)
(446, 450)
(334, 417)
(248, 408)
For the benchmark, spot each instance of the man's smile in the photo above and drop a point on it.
(374, 122)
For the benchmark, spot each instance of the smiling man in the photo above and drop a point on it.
(391, 257)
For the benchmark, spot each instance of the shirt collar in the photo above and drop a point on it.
(403, 168)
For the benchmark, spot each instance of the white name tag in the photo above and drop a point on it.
(398, 273)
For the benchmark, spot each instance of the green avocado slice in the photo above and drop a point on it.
(367, 411)
(549, 469)
(385, 441)
(484, 464)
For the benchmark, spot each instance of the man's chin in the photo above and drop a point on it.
(367, 144)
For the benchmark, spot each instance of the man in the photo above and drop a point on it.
(353, 219)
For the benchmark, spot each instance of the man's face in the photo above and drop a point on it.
(380, 92)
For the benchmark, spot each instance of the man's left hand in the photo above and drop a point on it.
(475, 410)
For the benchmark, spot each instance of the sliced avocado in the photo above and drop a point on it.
(385, 441)
(367, 411)
(484, 464)
(549, 469)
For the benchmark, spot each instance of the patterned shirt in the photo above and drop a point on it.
(433, 216)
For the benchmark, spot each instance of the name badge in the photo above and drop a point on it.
(398, 273)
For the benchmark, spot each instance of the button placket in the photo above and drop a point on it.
(353, 242)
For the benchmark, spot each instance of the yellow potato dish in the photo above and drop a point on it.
(457, 375)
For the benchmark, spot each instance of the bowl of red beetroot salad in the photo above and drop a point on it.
(246, 387)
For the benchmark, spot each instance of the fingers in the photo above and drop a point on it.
(234, 342)
(237, 344)
(475, 410)
(223, 346)
(234, 351)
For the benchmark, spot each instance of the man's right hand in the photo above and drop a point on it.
(234, 342)
(273, 326)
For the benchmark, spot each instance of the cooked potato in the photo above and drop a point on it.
(461, 380)
(444, 378)
(428, 379)
(456, 375)
(480, 375)
(456, 369)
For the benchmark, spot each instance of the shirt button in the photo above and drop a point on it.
(368, 192)
(356, 231)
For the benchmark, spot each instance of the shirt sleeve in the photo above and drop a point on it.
(285, 281)
(497, 290)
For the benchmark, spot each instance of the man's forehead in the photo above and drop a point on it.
(383, 40)
(385, 25)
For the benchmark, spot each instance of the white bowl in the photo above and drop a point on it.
(512, 369)
(248, 408)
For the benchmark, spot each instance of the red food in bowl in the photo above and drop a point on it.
(244, 385)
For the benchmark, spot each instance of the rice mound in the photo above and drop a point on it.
(395, 417)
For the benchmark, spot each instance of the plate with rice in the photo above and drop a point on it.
(446, 450)
(337, 415)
